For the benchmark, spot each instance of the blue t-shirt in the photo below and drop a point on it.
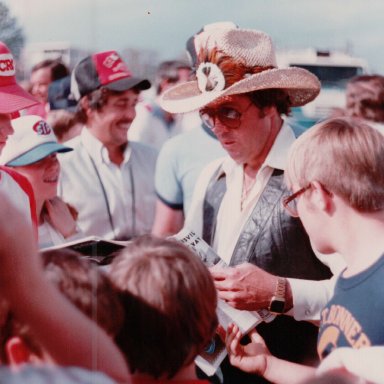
(354, 316)
(180, 162)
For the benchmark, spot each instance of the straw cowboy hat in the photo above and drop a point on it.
(235, 61)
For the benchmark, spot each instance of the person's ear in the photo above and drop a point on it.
(17, 351)
(89, 108)
(322, 198)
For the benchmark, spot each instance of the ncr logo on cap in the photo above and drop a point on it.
(42, 128)
(7, 65)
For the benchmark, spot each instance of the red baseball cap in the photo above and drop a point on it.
(104, 69)
(12, 96)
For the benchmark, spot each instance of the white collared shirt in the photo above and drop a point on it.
(50, 236)
(231, 218)
(94, 186)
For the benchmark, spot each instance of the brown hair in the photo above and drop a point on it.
(61, 121)
(170, 303)
(95, 100)
(57, 67)
(84, 284)
(272, 97)
(346, 156)
(365, 97)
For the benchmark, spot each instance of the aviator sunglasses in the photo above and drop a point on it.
(228, 116)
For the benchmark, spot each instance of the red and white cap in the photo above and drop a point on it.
(104, 69)
(12, 96)
(33, 140)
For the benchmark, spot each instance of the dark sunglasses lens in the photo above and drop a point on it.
(229, 117)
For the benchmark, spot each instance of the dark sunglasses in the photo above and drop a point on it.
(227, 116)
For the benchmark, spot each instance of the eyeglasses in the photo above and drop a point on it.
(227, 116)
(290, 202)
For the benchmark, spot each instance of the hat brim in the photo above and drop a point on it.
(128, 83)
(300, 85)
(14, 98)
(38, 153)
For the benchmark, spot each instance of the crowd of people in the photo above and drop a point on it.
(295, 223)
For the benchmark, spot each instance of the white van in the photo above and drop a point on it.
(334, 69)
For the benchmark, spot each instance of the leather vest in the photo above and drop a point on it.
(271, 238)
(277, 243)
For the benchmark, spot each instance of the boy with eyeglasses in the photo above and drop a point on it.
(336, 175)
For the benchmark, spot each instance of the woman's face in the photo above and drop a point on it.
(43, 176)
(40, 80)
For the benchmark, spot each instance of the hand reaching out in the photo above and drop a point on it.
(60, 216)
(255, 357)
(251, 358)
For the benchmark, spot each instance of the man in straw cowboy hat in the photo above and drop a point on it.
(236, 208)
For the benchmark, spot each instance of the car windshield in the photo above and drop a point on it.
(332, 76)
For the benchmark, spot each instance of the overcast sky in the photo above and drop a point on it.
(164, 25)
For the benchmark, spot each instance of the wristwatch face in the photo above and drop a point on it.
(277, 306)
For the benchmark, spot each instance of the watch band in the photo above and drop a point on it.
(280, 288)
(277, 304)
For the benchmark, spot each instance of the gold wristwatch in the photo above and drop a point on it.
(277, 303)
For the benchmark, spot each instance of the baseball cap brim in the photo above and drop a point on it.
(13, 98)
(128, 83)
(38, 153)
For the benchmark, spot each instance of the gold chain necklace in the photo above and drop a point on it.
(245, 190)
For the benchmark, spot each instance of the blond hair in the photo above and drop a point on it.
(346, 156)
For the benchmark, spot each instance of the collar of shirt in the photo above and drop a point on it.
(97, 149)
(234, 211)
(277, 156)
